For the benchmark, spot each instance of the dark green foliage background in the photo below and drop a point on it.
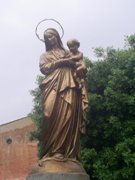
(108, 149)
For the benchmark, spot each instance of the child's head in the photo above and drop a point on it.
(73, 45)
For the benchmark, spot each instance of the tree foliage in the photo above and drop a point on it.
(37, 113)
(108, 149)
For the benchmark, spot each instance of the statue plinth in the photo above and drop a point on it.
(53, 169)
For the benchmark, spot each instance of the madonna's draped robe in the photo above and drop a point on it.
(63, 105)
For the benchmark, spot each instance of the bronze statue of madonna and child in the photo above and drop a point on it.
(64, 98)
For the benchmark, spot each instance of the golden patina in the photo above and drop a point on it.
(64, 98)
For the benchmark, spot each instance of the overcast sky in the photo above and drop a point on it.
(93, 22)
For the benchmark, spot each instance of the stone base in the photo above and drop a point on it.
(54, 169)
(58, 176)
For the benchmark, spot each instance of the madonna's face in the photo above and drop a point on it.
(50, 38)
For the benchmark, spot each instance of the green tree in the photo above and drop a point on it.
(109, 148)
(37, 113)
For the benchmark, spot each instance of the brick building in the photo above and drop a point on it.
(17, 153)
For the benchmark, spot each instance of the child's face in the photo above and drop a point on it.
(73, 48)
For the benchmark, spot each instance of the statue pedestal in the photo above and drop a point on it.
(51, 169)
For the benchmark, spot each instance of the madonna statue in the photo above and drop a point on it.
(64, 102)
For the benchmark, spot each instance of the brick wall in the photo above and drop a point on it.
(17, 153)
